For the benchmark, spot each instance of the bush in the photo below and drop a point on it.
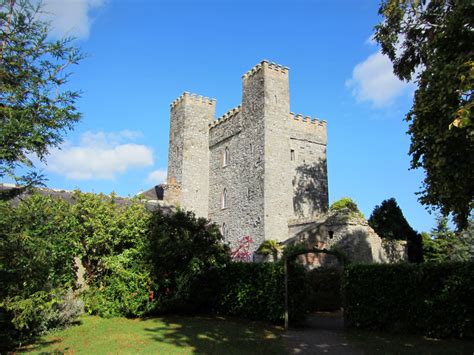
(38, 244)
(431, 299)
(184, 251)
(325, 289)
(25, 317)
(115, 253)
(346, 203)
(256, 291)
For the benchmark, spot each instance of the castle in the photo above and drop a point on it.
(259, 170)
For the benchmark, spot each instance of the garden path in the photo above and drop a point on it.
(321, 333)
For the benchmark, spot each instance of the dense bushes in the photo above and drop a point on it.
(325, 289)
(115, 253)
(184, 251)
(433, 299)
(256, 291)
(38, 242)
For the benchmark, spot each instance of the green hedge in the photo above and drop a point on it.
(324, 289)
(432, 299)
(256, 291)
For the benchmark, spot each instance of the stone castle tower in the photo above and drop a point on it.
(259, 170)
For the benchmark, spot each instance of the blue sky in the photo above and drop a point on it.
(142, 54)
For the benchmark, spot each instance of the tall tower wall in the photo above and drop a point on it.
(188, 155)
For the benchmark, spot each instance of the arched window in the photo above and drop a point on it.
(226, 157)
(225, 199)
(224, 230)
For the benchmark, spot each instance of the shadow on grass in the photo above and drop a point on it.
(36, 345)
(387, 343)
(217, 335)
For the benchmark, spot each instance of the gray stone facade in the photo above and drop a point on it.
(253, 171)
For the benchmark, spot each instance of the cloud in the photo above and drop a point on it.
(70, 17)
(99, 156)
(156, 177)
(373, 81)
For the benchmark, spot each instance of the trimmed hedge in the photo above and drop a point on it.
(432, 299)
(325, 289)
(256, 291)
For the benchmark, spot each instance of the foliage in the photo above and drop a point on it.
(431, 299)
(35, 109)
(270, 247)
(388, 222)
(256, 291)
(431, 42)
(184, 250)
(115, 254)
(38, 244)
(325, 289)
(445, 245)
(346, 203)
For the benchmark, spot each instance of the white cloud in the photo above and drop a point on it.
(99, 156)
(156, 177)
(70, 17)
(373, 81)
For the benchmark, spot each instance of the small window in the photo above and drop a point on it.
(292, 154)
(331, 234)
(224, 230)
(251, 148)
(226, 157)
(224, 200)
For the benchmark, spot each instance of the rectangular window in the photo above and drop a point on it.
(292, 154)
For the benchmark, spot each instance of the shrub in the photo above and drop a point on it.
(346, 203)
(325, 289)
(184, 250)
(256, 291)
(432, 299)
(37, 313)
(115, 253)
(37, 248)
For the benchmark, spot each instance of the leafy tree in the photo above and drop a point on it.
(35, 109)
(430, 42)
(388, 222)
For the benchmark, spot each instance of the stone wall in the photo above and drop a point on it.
(310, 181)
(349, 233)
(188, 155)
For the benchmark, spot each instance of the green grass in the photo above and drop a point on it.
(164, 335)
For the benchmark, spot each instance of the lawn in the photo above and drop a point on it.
(164, 335)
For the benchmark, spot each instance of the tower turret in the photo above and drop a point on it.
(188, 153)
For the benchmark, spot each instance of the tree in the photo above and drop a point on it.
(388, 222)
(443, 244)
(35, 109)
(431, 42)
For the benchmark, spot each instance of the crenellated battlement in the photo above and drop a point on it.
(307, 120)
(225, 117)
(268, 64)
(195, 98)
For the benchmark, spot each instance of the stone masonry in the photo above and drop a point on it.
(256, 169)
